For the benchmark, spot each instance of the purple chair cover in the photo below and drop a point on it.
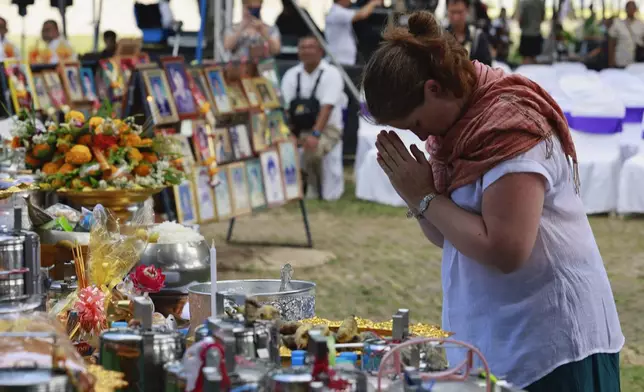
(634, 115)
(597, 125)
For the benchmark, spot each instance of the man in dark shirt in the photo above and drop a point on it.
(109, 38)
(472, 38)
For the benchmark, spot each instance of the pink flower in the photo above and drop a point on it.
(148, 279)
(91, 308)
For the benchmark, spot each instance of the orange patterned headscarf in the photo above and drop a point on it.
(506, 115)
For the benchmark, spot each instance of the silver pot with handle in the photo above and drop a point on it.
(20, 265)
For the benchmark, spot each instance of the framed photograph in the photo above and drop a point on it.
(70, 75)
(88, 85)
(113, 78)
(186, 151)
(251, 94)
(239, 188)
(218, 90)
(260, 134)
(268, 70)
(255, 184)
(21, 85)
(240, 142)
(55, 88)
(272, 173)
(223, 146)
(277, 128)
(237, 97)
(185, 203)
(266, 93)
(86, 108)
(223, 200)
(177, 74)
(41, 90)
(159, 98)
(206, 209)
(199, 88)
(204, 146)
(290, 156)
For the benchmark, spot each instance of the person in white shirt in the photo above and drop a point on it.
(314, 90)
(339, 29)
(167, 17)
(58, 47)
(9, 50)
(625, 36)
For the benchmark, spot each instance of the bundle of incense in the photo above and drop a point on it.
(79, 266)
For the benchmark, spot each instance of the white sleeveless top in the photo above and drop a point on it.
(556, 309)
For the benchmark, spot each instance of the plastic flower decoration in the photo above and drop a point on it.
(91, 309)
(147, 279)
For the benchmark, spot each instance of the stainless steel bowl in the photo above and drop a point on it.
(182, 264)
(295, 304)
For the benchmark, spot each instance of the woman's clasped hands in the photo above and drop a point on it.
(410, 173)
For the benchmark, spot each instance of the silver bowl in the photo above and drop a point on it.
(182, 264)
(295, 304)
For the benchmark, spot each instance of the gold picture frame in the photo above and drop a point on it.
(290, 167)
(205, 195)
(159, 99)
(184, 200)
(251, 93)
(237, 97)
(239, 192)
(21, 85)
(218, 90)
(70, 76)
(266, 93)
(202, 142)
(223, 198)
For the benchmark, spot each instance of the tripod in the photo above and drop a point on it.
(22, 11)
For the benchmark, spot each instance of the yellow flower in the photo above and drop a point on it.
(205, 108)
(95, 122)
(75, 115)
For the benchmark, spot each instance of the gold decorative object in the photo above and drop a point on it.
(382, 328)
(419, 329)
(6, 193)
(118, 201)
(106, 380)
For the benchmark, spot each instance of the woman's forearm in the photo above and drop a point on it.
(464, 230)
(431, 232)
(230, 41)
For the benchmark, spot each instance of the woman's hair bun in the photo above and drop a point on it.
(423, 24)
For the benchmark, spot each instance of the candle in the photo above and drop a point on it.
(213, 279)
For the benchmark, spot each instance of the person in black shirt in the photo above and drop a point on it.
(472, 38)
(290, 24)
(109, 38)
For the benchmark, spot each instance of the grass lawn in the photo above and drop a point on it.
(383, 262)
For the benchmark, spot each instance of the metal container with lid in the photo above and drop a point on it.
(298, 303)
(182, 264)
(20, 275)
(257, 341)
(141, 353)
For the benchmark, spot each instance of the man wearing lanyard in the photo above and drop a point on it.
(314, 93)
(339, 29)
